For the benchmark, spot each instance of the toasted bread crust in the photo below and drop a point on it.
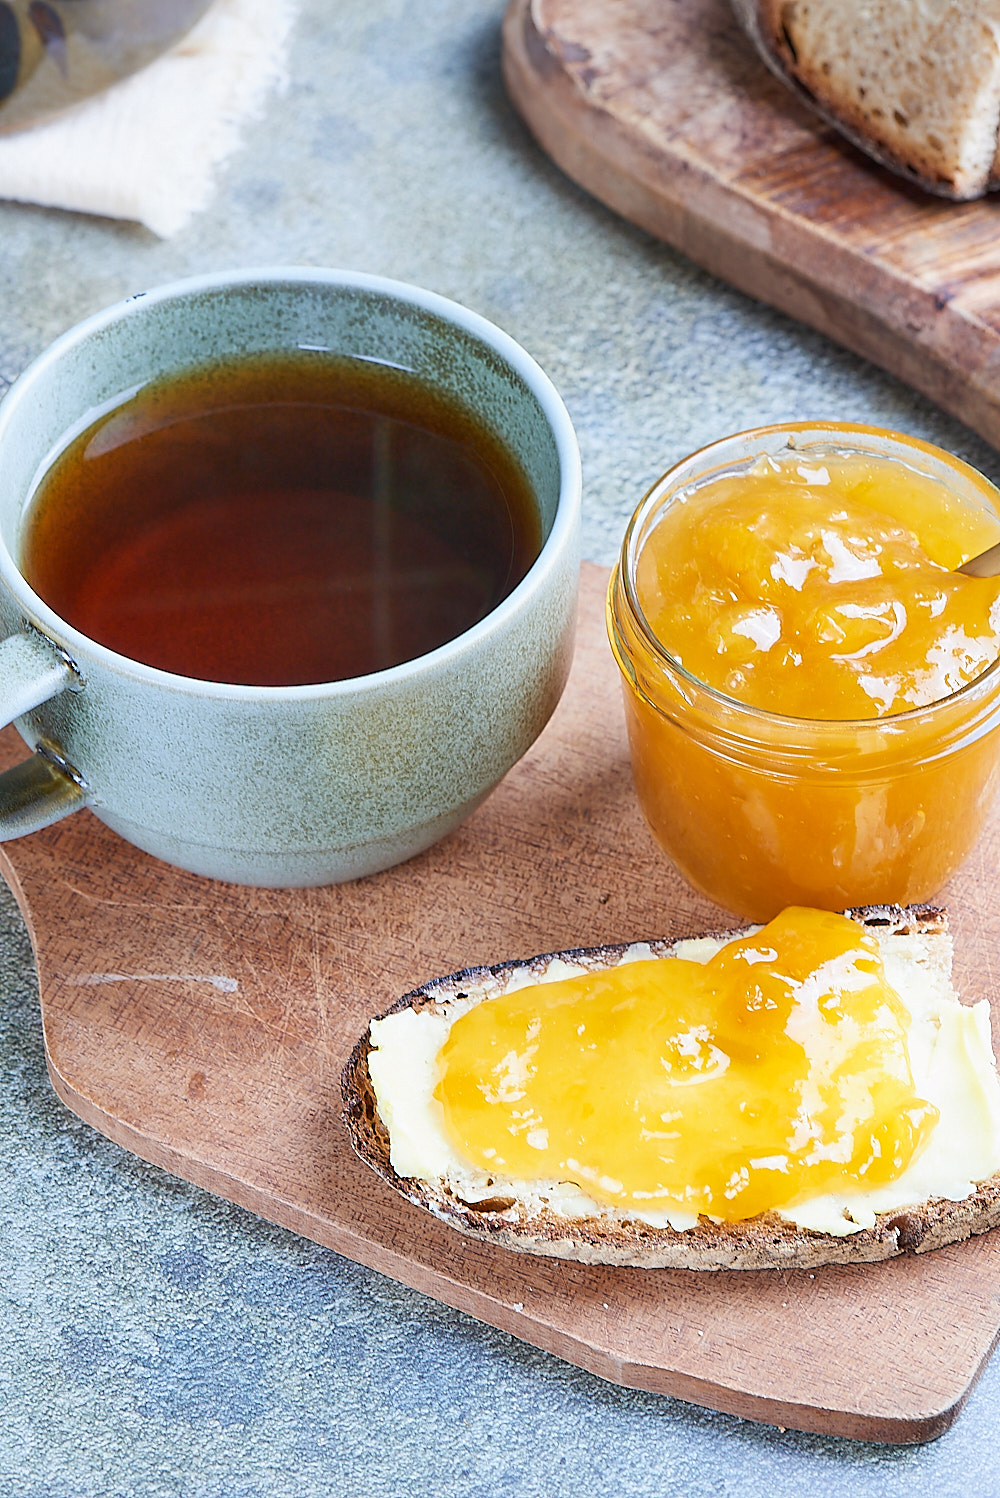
(763, 1242)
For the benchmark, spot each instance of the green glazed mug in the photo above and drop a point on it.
(269, 785)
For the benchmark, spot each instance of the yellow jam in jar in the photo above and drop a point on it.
(822, 587)
(811, 690)
(775, 1072)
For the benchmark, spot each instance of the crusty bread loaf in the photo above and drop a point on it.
(535, 1221)
(915, 83)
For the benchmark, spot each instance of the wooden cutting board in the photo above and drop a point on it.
(204, 1026)
(663, 110)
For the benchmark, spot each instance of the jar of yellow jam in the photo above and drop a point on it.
(812, 692)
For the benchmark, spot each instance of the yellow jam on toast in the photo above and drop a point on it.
(775, 1072)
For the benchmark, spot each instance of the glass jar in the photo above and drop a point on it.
(761, 811)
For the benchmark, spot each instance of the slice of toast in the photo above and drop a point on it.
(556, 1219)
(914, 83)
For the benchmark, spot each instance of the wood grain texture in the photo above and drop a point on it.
(663, 110)
(205, 1026)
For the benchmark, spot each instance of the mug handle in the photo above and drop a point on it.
(44, 788)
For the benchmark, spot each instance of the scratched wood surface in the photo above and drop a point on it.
(662, 109)
(204, 1026)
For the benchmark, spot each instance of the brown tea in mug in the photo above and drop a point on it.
(280, 521)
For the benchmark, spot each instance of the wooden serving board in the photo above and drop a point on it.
(664, 111)
(205, 1026)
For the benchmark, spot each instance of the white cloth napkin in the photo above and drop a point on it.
(147, 148)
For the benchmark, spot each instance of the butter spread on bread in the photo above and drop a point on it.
(915, 83)
(885, 1104)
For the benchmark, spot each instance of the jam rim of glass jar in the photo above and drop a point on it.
(624, 571)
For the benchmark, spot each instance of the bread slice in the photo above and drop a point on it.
(915, 83)
(556, 1219)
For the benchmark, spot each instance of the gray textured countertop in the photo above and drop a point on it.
(158, 1341)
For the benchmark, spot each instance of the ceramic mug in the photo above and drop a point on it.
(282, 786)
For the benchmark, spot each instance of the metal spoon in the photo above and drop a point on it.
(986, 564)
(53, 53)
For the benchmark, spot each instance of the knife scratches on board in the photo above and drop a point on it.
(93, 980)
